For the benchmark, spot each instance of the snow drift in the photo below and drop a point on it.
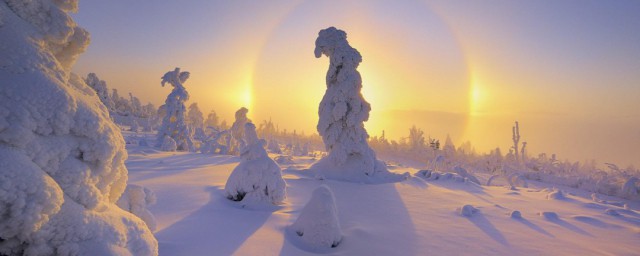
(61, 158)
(318, 226)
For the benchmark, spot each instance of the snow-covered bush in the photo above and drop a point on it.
(274, 147)
(257, 178)
(135, 199)
(318, 225)
(467, 210)
(342, 114)
(174, 123)
(168, 144)
(61, 158)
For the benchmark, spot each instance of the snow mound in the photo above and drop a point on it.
(549, 215)
(342, 114)
(257, 178)
(516, 215)
(135, 199)
(318, 226)
(517, 180)
(468, 210)
(61, 158)
(612, 212)
(556, 194)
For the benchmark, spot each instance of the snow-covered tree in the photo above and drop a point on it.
(196, 120)
(61, 157)
(100, 87)
(212, 120)
(342, 114)
(257, 178)
(174, 123)
(237, 129)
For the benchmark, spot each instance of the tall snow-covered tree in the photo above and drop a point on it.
(212, 120)
(342, 113)
(237, 129)
(174, 123)
(61, 157)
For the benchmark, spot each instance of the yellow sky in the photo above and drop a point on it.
(469, 70)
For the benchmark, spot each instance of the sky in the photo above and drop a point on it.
(567, 71)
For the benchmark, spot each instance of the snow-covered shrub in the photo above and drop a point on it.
(135, 199)
(515, 214)
(318, 225)
(435, 175)
(174, 122)
(237, 129)
(549, 215)
(257, 178)
(630, 189)
(464, 173)
(61, 158)
(342, 114)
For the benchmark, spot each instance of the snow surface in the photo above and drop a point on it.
(411, 217)
(61, 158)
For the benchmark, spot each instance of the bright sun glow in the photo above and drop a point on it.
(475, 96)
(246, 94)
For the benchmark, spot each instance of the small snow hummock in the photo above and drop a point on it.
(342, 114)
(468, 210)
(612, 212)
(168, 144)
(516, 215)
(174, 123)
(549, 215)
(556, 194)
(135, 199)
(464, 173)
(257, 178)
(61, 157)
(318, 225)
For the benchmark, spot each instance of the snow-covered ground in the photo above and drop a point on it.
(412, 217)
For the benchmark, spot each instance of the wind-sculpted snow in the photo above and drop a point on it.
(135, 199)
(257, 178)
(61, 158)
(174, 123)
(342, 114)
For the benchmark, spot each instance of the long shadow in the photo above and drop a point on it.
(371, 217)
(488, 228)
(534, 227)
(175, 165)
(207, 230)
(570, 226)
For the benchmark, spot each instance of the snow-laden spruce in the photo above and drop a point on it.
(257, 178)
(318, 225)
(342, 114)
(135, 199)
(61, 158)
(174, 123)
(237, 130)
